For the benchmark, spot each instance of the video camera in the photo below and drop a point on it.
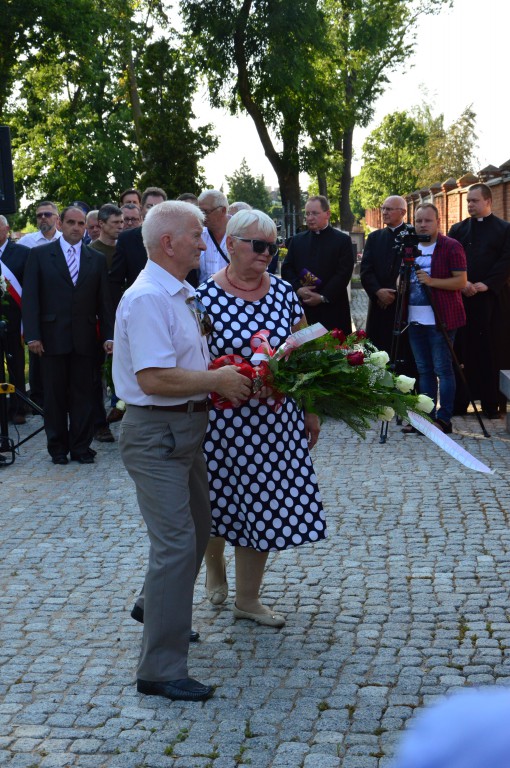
(408, 237)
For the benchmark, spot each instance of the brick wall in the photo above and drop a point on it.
(450, 198)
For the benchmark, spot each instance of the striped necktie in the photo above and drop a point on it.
(72, 263)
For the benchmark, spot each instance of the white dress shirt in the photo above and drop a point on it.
(33, 239)
(156, 328)
(211, 260)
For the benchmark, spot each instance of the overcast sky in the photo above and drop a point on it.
(446, 70)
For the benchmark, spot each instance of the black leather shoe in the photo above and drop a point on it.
(186, 689)
(83, 458)
(60, 459)
(137, 615)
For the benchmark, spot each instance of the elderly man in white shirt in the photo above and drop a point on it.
(214, 206)
(160, 369)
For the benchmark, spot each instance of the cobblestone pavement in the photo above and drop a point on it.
(406, 599)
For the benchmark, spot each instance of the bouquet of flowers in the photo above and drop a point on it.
(331, 374)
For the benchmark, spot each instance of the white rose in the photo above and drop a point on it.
(121, 405)
(387, 413)
(425, 404)
(404, 383)
(379, 358)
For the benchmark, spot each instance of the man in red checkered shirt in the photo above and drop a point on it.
(441, 266)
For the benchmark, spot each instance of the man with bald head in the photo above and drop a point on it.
(160, 370)
(379, 272)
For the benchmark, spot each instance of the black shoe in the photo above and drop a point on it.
(60, 459)
(186, 689)
(444, 426)
(137, 615)
(490, 414)
(83, 458)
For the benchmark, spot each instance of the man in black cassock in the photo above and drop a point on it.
(486, 241)
(319, 266)
(379, 271)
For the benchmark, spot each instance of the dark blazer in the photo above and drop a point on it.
(62, 315)
(379, 268)
(329, 256)
(129, 259)
(15, 257)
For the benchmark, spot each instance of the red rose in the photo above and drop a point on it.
(355, 358)
(361, 334)
(338, 334)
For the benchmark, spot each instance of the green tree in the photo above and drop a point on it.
(451, 151)
(74, 101)
(411, 150)
(243, 185)
(260, 56)
(171, 148)
(394, 156)
(369, 40)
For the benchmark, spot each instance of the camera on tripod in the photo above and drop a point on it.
(410, 238)
(406, 242)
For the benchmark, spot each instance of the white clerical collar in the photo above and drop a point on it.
(394, 229)
(318, 231)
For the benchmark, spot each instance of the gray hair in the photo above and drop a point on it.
(217, 197)
(239, 206)
(3, 221)
(244, 219)
(168, 217)
(91, 215)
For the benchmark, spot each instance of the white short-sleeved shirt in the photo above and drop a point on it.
(156, 328)
(211, 260)
(33, 239)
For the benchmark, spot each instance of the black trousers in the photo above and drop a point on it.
(68, 382)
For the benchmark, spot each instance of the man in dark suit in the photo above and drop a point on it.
(130, 256)
(379, 271)
(13, 259)
(486, 241)
(65, 292)
(319, 266)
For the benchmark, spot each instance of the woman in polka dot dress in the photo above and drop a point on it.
(264, 493)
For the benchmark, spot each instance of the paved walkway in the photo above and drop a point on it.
(406, 599)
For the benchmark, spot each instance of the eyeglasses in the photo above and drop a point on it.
(200, 313)
(260, 246)
(385, 208)
(45, 214)
(208, 213)
(131, 218)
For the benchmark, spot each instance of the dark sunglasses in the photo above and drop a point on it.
(45, 214)
(260, 246)
(201, 315)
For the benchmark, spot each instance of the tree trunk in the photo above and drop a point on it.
(346, 214)
(323, 183)
(136, 110)
(286, 164)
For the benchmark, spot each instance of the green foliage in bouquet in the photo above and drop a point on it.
(345, 378)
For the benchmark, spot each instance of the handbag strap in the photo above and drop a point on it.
(218, 247)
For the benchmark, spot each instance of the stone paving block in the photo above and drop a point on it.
(373, 612)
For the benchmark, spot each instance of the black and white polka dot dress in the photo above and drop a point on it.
(263, 488)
